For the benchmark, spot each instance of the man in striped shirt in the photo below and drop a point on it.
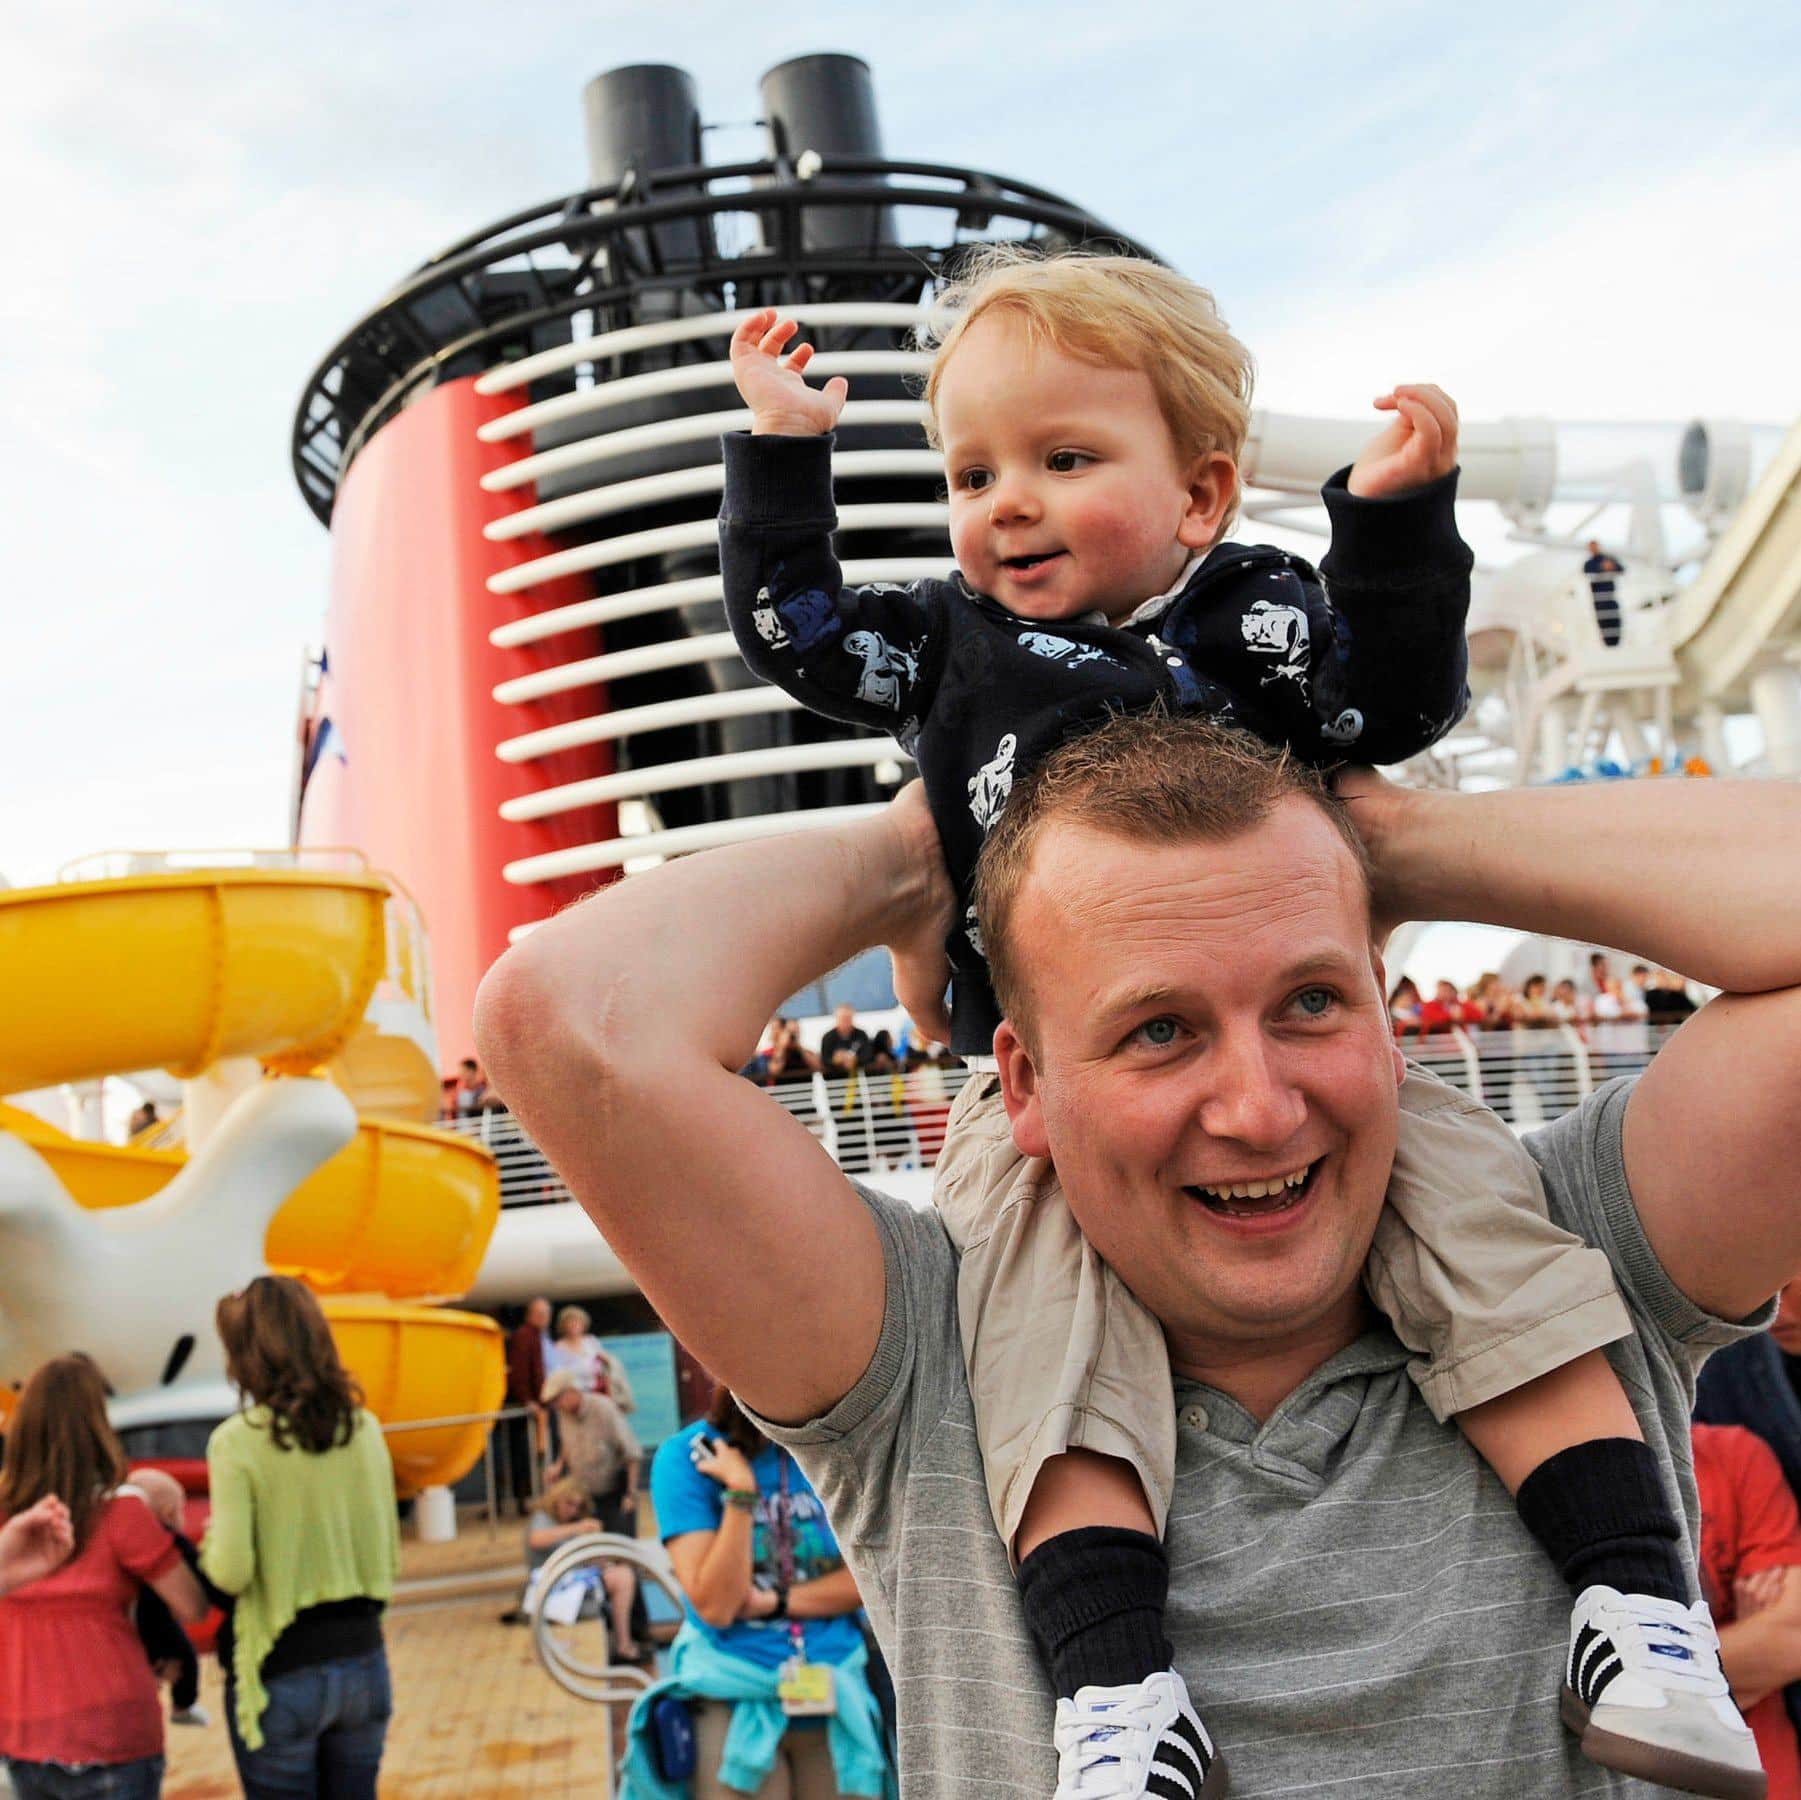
(1353, 1594)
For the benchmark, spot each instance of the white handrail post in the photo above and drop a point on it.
(1585, 1078)
(822, 1099)
(873, 1151)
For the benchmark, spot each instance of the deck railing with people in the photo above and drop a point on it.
(1531, 1075)
(873, 1124)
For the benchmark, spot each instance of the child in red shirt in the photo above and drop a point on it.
(1750, 1549)
(75, 1687)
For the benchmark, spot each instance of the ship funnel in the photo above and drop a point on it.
(641, 120)
(826, 104)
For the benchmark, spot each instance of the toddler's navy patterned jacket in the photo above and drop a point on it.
(1368, 665)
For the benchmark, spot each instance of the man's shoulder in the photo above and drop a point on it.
(1581, 1159)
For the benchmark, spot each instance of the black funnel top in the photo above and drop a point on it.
(645, 116)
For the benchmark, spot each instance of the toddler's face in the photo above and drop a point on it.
(1066, 492)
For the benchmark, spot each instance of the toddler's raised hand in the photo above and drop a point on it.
(1417, 446)
(771, 383)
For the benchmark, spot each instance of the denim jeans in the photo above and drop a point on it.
(139, 1780)
(323, 1730)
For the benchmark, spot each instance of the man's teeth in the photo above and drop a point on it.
(1258, 1190)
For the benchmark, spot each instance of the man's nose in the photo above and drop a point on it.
(1250, 1097)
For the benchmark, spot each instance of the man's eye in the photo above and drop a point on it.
(1315, 1002)
(1066, 462)
(972, 481)
(1158, 1033)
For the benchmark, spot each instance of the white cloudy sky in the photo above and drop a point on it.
(1585, 211)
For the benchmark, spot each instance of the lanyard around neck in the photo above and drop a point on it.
(781, 1527)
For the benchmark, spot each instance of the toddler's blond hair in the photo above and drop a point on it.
(1120, 311)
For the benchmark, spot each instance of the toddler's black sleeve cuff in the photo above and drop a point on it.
(771, 480)
(1393, 541)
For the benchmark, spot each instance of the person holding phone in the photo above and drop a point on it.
(770, 1658)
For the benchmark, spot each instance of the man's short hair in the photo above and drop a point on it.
(1149, 778)
(1122, 312)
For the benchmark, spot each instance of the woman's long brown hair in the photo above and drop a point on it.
(727, 1418)
(279, 1351)
(58, 1441)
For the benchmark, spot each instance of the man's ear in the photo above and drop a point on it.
(1380, 970)
(1020, 1093)
(1212, 489)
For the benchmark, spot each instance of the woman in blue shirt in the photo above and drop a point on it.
(766, 1587)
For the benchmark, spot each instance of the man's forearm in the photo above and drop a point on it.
(1701, 876)
(699, 953)
(615, 1031)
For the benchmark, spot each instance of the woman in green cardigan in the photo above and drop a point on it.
(304, 1533)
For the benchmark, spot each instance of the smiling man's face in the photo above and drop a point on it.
(1212, 1073)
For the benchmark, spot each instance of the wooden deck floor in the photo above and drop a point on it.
(474, 1712)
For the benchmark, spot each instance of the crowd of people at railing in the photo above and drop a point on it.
(1533, 1050)
(875, 1102)
(1606, 1009)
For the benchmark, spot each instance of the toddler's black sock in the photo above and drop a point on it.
(1601, 1512)
(1094, 1603)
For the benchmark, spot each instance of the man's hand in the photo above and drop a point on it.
(781, 403)
(1417, 447)
(1373, 802)
(723, 1463)
(35, 1543)
(921, 969)
(1698, 876)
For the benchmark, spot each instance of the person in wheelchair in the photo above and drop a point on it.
(606, 1590)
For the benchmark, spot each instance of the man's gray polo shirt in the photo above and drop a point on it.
(1353, 1601)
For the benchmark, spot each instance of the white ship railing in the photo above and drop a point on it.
(606, 495)
(873, 1124)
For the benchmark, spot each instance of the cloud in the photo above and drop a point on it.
(1669, 301)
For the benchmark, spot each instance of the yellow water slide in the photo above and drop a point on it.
(187, 970)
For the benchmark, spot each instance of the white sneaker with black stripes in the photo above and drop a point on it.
(1119, 1743)
(1644, 1691)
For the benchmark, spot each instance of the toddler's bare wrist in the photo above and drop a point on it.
(782, 425)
